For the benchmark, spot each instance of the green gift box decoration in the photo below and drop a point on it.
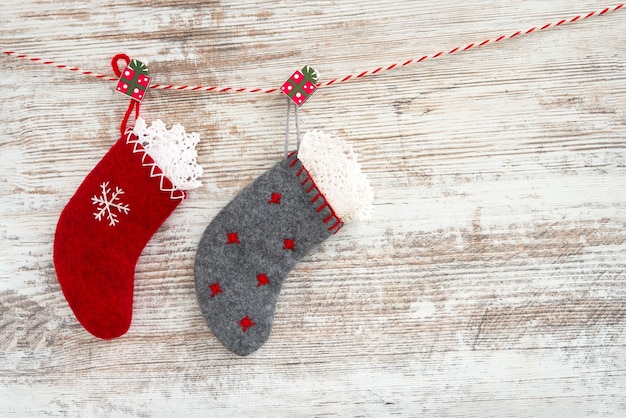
(300, 85)
(134, 80)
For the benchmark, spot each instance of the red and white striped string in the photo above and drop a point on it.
(379, 70)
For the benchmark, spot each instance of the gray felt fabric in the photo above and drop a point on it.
(261, 225)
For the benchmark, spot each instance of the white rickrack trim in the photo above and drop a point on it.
(332, 163)
(172, 155)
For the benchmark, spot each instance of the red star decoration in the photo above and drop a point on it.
(215, 289)
(262, 280)
(290, 244)
(246, 323)
(232, 238)
(275, 198)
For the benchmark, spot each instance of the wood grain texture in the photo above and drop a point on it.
(489, 283)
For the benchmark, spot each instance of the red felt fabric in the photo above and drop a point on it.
(94, 261)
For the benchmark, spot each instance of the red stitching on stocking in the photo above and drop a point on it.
(215, 289)
(275, 198)
(232, 238)
(246, 323)
(336, 226)
(262, 280)
(324, 205)
(289, 244)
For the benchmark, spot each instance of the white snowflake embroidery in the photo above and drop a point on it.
(107, 204)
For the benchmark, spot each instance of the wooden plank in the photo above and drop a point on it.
(490, 281)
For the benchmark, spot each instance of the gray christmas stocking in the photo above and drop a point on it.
(256, 240)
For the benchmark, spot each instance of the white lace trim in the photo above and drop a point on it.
(333, 165)
(173, 151)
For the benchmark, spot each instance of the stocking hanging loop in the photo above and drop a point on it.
(133, 104)
(287, 128)
(299, 87)
(133, 82)
(116, 67)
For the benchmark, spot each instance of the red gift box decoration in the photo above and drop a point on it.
(300, 85)
(134, 80)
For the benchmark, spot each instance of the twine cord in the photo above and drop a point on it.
(349, 77)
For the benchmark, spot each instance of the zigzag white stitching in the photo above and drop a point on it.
(174, 193)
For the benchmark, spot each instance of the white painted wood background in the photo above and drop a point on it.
(489, 283)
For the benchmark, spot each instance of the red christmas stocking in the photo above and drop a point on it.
(115, 211)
